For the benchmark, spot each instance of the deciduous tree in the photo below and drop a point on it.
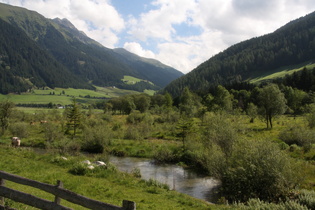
(6, 108)
(271, 102)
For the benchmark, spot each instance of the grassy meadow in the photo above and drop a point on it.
(107, 185)
(279, 73)
(64, 95)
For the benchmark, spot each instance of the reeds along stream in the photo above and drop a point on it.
(176, 177)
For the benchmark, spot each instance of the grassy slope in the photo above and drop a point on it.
(110, 186)
(132, 80)
(279, 73)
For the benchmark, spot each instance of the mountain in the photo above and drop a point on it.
(292, 44)
(36, 51)
(151, 69)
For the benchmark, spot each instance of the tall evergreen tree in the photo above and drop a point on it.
(73, 118)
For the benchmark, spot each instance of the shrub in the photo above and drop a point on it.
(311, 119)
(19, 129)
(298, 135)
(135, 117)
(136, 172)
(255, 170)
(164, 155)
(294, 148)
(79, 169)
(132, 133)
(283, 146)
(94, 140)
(307, 198)
(258, 204)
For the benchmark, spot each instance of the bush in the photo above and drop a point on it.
(294, 148)
(20, 129)
(79, 169)
(133, 133)
(299, 136)
(255, 170)
(311, 119)
(164, 155)
(307, 198)
(283, 146)
(258, 204)
(136, 172)
(135, 117)
(94, 140)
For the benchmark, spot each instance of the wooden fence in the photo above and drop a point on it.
(57, 190)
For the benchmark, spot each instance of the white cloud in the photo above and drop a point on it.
(136, 48)
(158, 23)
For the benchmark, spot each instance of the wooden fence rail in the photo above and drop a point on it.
(56, 190)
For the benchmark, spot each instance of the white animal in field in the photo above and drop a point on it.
(15, 141)
(99, 163)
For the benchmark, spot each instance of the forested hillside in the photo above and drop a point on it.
(292, 44)
(24, 64)
(71, 58)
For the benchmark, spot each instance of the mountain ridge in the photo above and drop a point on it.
(87, 61)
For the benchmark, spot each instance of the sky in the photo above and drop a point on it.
(179, 33)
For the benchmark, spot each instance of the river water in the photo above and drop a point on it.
(176, 177)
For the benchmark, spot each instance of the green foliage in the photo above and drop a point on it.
(52, 132)
(6, 108)
(298, 135)
(73, 117)
(258, 171)
(165, 155)
(135, 117)
(254, 204)
(252, 111)
(218, 130)
(95, 139)
(136, 172)
(311, 119)
(295, 98)
(20, 129)
(271, 103)
(189, 103)
(307, 198)
(79, 169)
(223, 99)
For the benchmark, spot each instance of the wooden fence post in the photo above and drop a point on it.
(1, 198)
(59, 185)
(129, 205)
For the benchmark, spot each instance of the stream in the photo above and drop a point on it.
(176, 177)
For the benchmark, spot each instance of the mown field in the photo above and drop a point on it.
(64, 96)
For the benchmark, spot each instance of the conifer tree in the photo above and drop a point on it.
(73, 117)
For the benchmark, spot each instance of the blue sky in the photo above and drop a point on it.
(179, 33)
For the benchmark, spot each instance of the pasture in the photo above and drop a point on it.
(282, 72)
(64, 96)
